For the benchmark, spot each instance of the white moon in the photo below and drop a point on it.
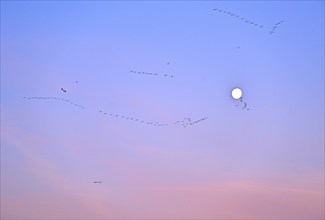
(236, 93)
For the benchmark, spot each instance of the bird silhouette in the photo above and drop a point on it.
(98, 181)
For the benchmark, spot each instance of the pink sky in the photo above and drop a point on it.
(263, 162)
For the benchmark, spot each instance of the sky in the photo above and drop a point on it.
(137, 95)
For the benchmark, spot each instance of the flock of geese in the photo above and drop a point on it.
(125, 117)
(242, 105)
(248, 21)
(188, 122)
(238, 17)
(56, 98)
(151, 74)
(184, 123)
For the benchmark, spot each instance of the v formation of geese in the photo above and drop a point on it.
(274, 28)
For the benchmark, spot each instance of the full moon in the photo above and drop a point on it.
(236, 93)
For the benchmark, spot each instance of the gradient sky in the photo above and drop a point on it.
(267, 162)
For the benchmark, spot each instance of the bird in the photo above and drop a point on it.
(167, 63)
(98, 181)
(63, 90)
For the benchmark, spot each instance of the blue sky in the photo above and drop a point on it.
(234, 164)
